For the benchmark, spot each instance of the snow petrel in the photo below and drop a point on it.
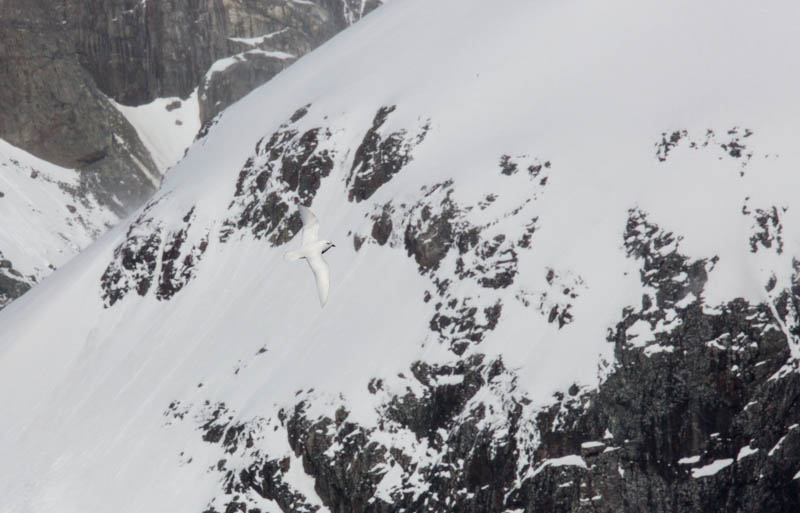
(311, 248)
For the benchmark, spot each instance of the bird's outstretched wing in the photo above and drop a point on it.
(322, 274)
(310, 226)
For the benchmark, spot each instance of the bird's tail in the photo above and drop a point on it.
(291, 256)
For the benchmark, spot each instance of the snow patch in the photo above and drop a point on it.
(256, 41)
(746, 451)
(712, 468)
(225, 63)
(166, 126)
(657, 348)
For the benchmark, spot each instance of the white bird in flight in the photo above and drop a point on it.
(311, 248)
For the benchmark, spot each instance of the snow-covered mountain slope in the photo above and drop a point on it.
(46, 219)
(566, 278)
(73, 61)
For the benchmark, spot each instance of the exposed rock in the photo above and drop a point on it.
(176, 272)
(695, 415)
(135, 262)
(767, 228)
(555, 302)
(380, 156)
(436, 226)
(285, 170)
(152, 255)
(433, 235)
(12, 283)
(730, 145)
(382, 228)
(220, 89)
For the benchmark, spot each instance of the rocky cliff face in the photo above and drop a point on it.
(50, 107)
(262, 38)
(138, 51)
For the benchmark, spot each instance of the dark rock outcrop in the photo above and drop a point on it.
(731, 144)
(380, 156)
(12, 283)
(698, 413)
(285, 170)
(152, 255)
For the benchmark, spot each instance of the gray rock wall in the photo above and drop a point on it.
(50, 107)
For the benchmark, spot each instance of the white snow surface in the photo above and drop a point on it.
(255, 41)
(712, 468)
(226, 62)
(39, 230)
(746, 451)
(571, 460)
(165, 132)
(590, 86)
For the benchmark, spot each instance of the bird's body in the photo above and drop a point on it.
(312, 248)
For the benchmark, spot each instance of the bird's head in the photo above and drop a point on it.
(328, 245)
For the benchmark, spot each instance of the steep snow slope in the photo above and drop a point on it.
(166, 126)
(557, 223)
(46, 218)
